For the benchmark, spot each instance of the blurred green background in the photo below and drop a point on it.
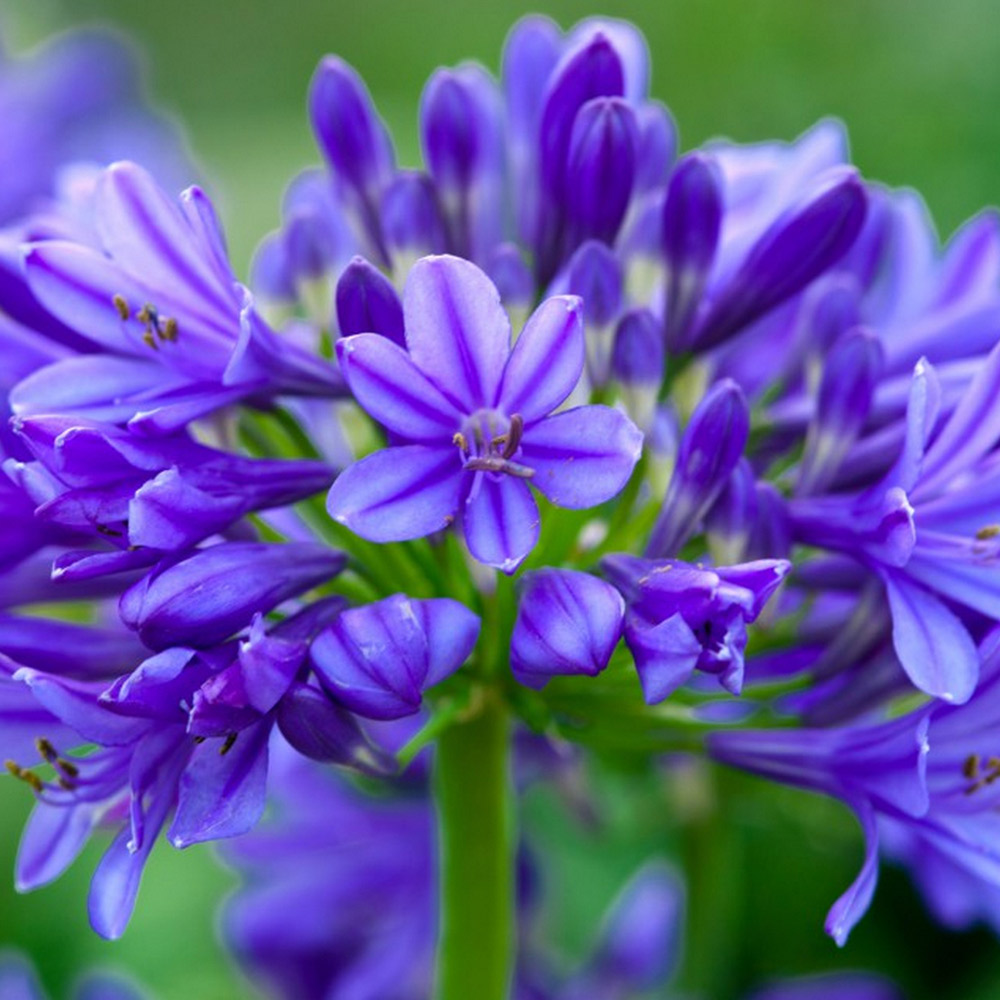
(917, 83)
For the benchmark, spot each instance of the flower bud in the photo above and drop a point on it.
(712, 444)
(797, 248)
(637, 362)
(367, 302)
(567, 623)
(692, 220)
(206, 597)
(378, 659)
(600, 168)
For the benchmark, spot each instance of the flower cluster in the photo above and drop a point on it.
(562, 432)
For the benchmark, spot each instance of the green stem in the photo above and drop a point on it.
(472, 787)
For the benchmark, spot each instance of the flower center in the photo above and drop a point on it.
(490, 441)
(155, 328)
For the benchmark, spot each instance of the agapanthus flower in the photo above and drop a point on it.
(152, 288)
(683, 618)
(471, 420)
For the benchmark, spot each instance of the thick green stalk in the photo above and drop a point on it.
(472, 788)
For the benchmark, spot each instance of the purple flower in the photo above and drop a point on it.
(469, 419)
(77, 97)
(567, 623)
(875, 770)
(378, 659)
(340, 892)
(150, 494)
(927, 529)
(183, 745)
(153, 289)
(683, 618)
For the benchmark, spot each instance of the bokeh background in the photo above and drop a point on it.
(918, 84)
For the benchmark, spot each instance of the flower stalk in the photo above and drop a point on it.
(473, 794)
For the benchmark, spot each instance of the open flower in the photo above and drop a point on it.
(470, 420)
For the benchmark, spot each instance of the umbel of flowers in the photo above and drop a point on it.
(561, 438)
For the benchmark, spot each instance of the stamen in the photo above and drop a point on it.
(512, 439)
(46, 750)
(121, 305)
(68, 767)
(228, 745)
(23, 774)
(157, 327)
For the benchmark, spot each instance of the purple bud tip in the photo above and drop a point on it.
(692, 219)
(512, 276)
(638, 354)
(349, 132)
(411, 216)
(600, 169)
(448, 129)
(796, 249)
(309, 245)
(595, 275)
(367, 302)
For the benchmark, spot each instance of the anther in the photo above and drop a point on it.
(970, 767)
(228, 744)
(512, 439)
(459, 439)
(22, 774)
(121, 305)
(67, 767)
(170, 329)
(46, 750)
(199, 740)
(987, 532)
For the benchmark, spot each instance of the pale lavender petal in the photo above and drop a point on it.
(853, 904)
(145, 233)
(547, 360)
(398, 493)
(78, 285)
(456, 329)
(451, 630)
(394, 391)
(935, 648)
(222, 794)
(501, 521)
(582, 457)
(52, 840)
(665, 655)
